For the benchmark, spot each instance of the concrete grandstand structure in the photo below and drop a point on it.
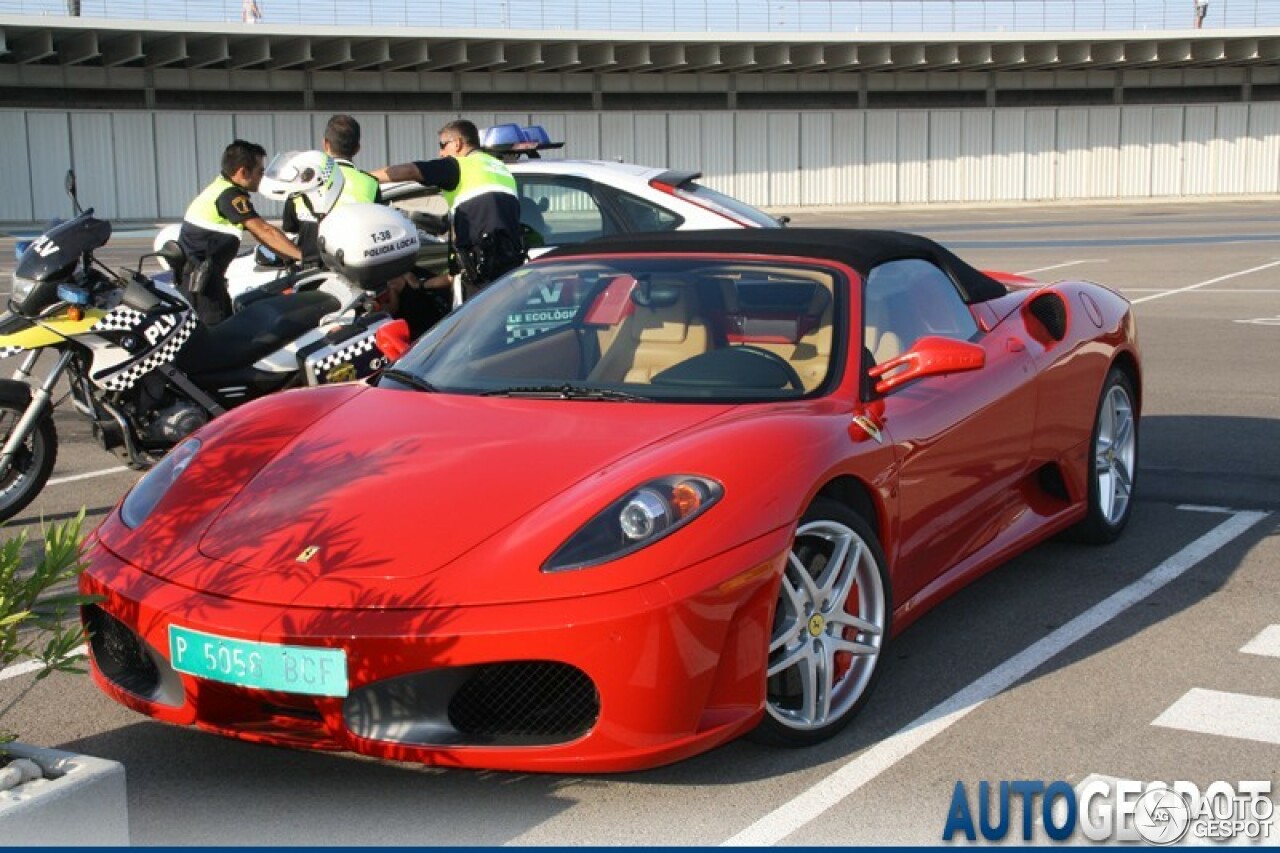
(143, 109)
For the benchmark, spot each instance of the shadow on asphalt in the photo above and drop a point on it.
(1223, 461)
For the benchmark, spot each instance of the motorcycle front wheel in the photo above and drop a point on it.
(31, 466)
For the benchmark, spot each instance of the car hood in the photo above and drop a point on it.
(399, 485)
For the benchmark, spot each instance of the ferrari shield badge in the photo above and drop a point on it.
(308, 553)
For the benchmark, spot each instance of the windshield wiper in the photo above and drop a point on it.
(404, 377)
(566, 392)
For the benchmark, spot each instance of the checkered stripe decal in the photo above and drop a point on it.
(344, 355)
(124, 379)
(119, 319)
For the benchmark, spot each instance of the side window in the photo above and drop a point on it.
(559, 210)
(907, 300)
(642, 215)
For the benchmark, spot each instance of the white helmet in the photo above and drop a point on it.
(312, 174)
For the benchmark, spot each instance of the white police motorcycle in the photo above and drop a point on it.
(145, 370)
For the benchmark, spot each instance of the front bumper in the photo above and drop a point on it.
(613, 682)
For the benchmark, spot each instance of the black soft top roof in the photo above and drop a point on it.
(861, 249)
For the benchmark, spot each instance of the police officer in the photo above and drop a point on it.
(341, 142)
(484, 207)
(212, 227)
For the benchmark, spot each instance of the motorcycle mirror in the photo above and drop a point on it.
(172, 254)
(69, 182)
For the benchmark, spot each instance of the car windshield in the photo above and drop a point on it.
(636, 329)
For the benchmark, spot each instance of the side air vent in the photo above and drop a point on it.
(1049, 312)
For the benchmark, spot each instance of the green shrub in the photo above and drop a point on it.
(39, 616)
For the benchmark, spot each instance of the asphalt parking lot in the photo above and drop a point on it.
(1157, 658)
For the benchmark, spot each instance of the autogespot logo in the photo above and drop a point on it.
(1161, 816)
(1102, 809)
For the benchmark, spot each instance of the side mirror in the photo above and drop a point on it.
(783, 220)
(392, 339)
(931, 356)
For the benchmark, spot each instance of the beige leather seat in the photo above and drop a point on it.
(661, 331)
(803, 339)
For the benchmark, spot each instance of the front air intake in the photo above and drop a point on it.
(538, 699)
(127, 661)
(515, 703)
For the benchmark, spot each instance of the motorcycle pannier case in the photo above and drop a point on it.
(345, 354)
(368, 243)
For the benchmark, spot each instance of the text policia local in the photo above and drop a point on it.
(1112, 810)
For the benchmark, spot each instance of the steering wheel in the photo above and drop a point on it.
(793, 378)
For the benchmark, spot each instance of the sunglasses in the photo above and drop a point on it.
(445, 142)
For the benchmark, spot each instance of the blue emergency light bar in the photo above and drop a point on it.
(511, 138)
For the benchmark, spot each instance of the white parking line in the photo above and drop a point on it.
(1206, 283)
(30, 666)
(73, 478)
(814, 802)
(1219, 510)
(1060, 266)
(1234, 715)
(1266, 644)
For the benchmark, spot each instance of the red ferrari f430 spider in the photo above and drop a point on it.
(637, 498)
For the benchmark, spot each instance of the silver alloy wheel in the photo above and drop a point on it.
(1115, 453)
(828, 630)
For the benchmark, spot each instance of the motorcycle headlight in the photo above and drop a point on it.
(22, 288)
(139, 503)
(638, 519)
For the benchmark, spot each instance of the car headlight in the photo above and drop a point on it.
(151, 488)
(638, 519)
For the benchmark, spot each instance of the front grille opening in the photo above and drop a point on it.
(309, 715)
(539, 699)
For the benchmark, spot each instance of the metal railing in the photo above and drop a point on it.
(705, 16)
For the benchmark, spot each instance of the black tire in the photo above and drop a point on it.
(806, 646)
(1113, 462)
(32, 465)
